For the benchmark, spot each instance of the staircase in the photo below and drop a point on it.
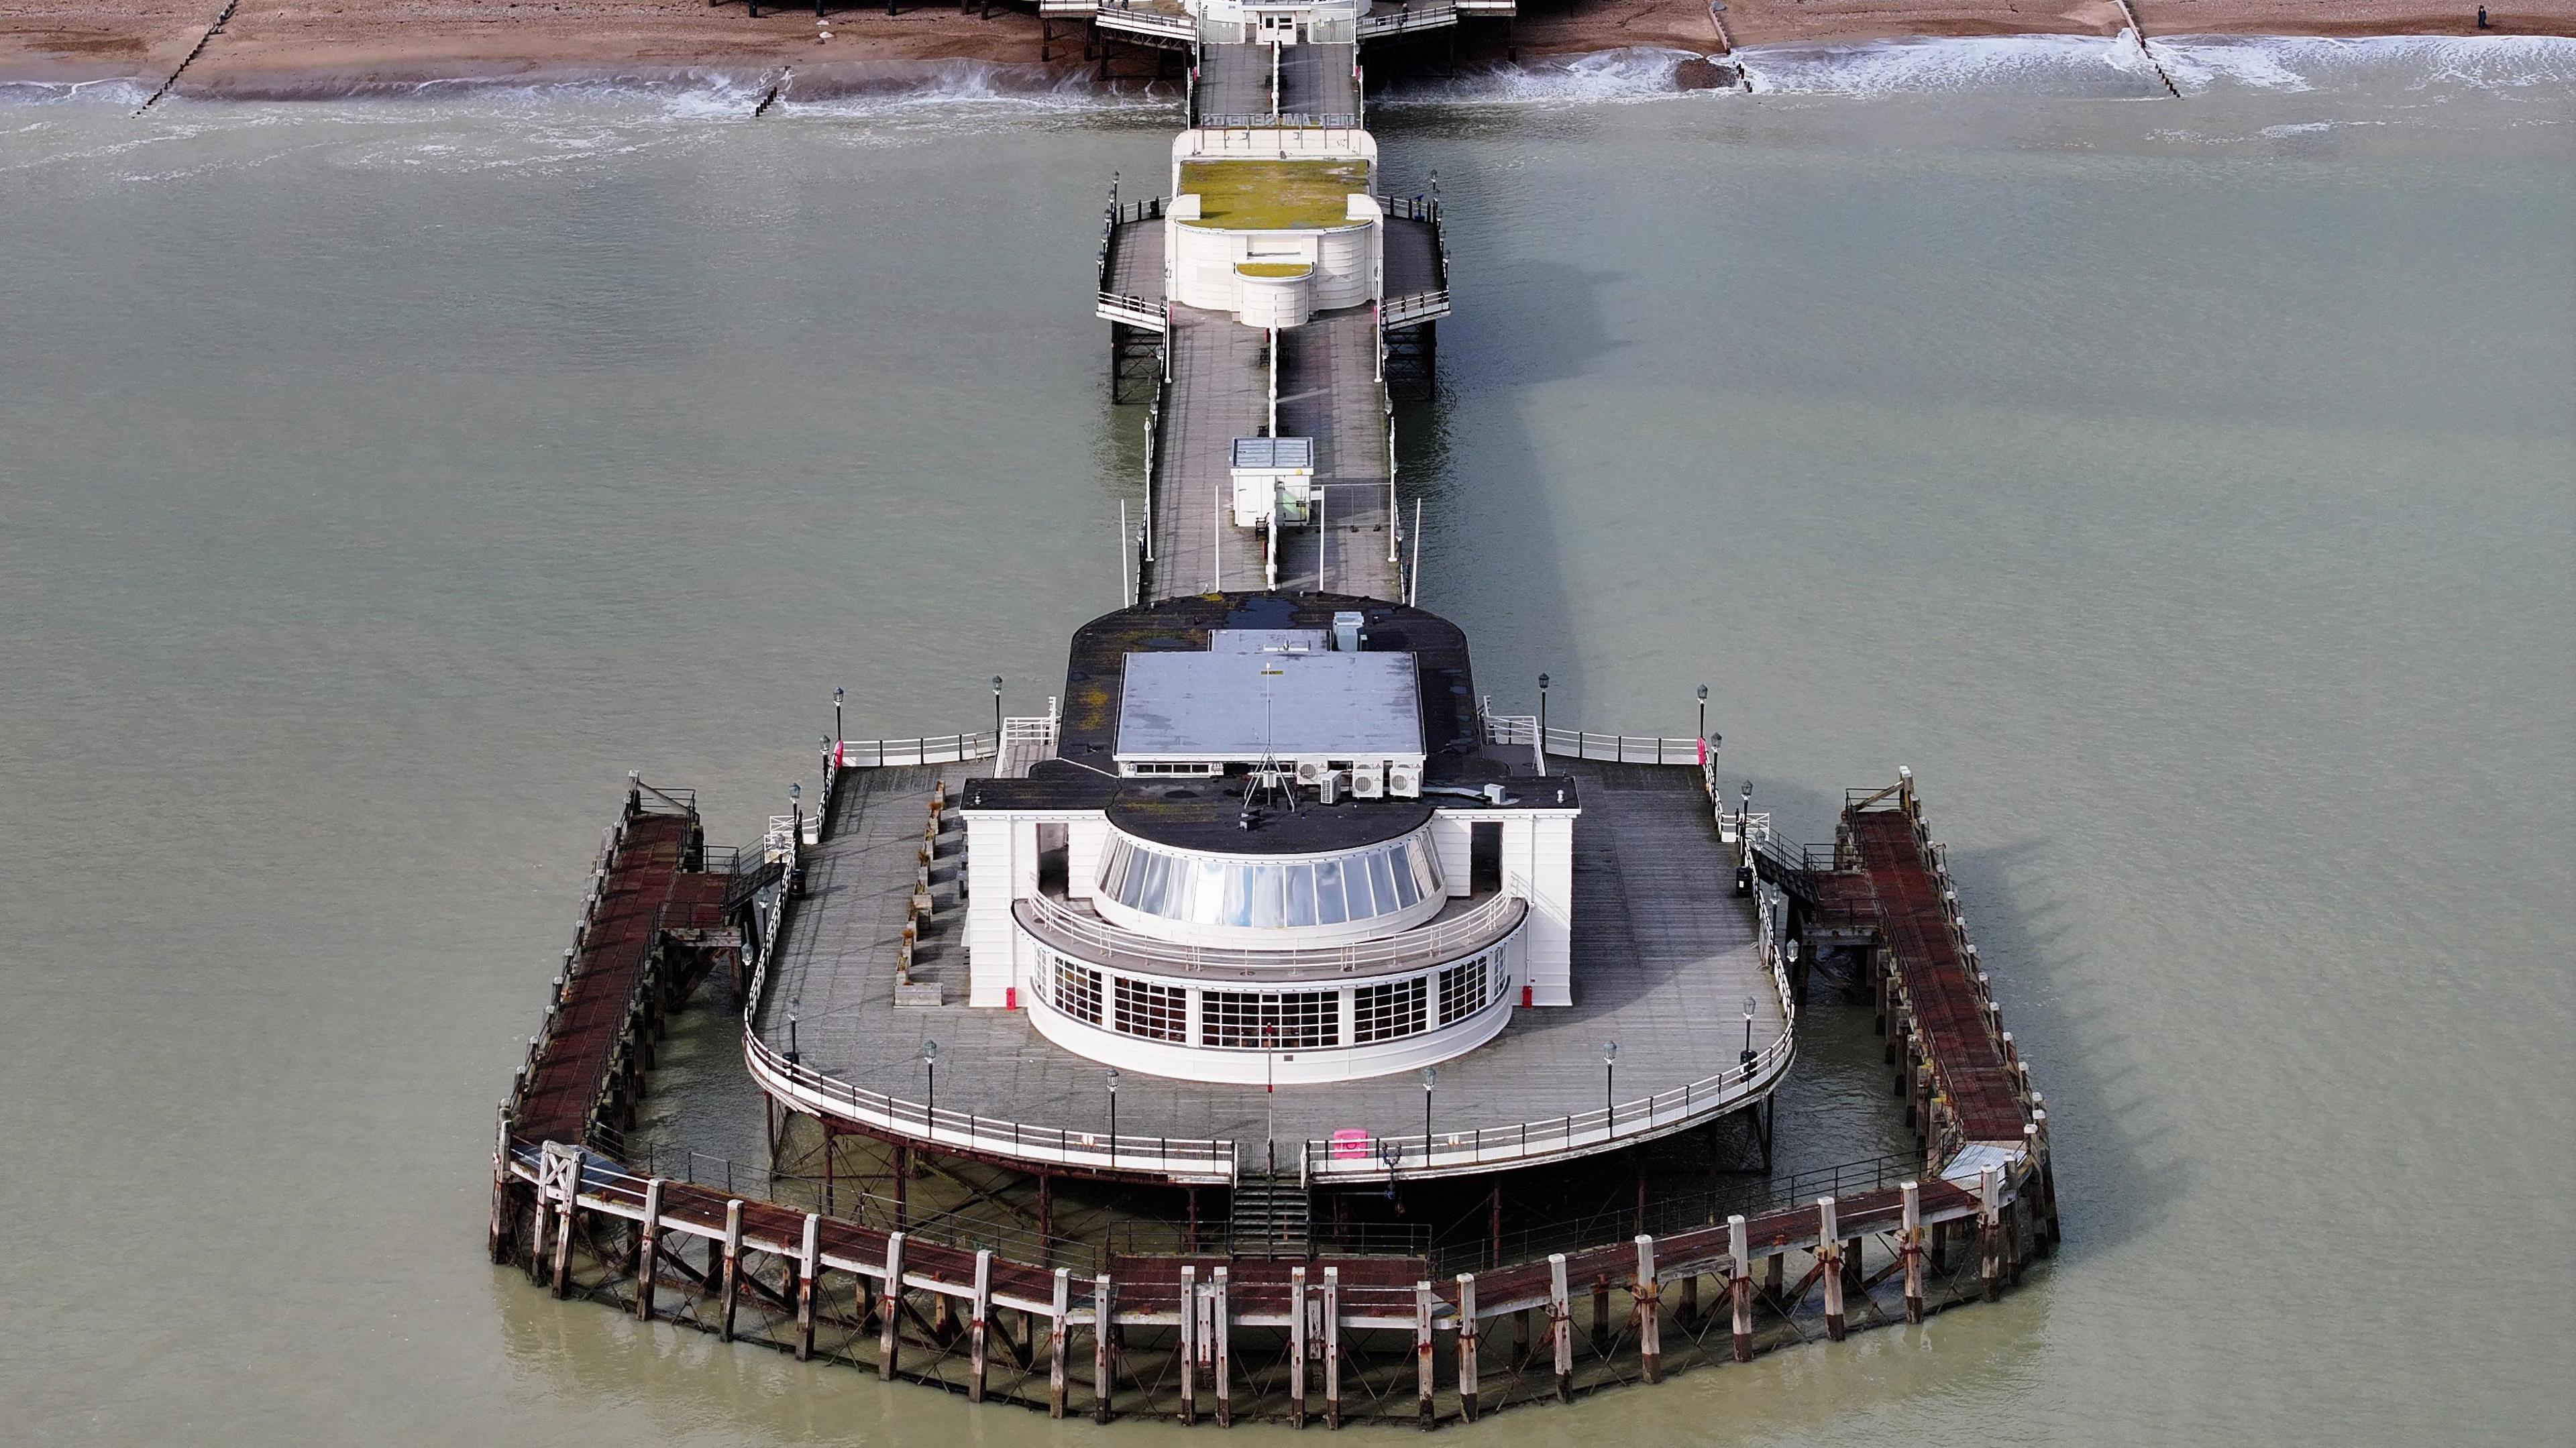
(1268, 1218)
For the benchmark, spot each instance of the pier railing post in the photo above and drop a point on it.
(890, 1326)
(808, 1259)
(1740, 1286)
(1912, 1245)
(1425, 1363)
(648, 1255)
(1102, 1332)
(1332, 1347)
(731, 1291)
(1298, 1347)
(500, 1241)
(1219, 1342)
(1061, 1308)
(1989, 1229)
(1648, 1296)
(1560, 1326)
(1189, 1345)
(979, 1326)
(1469, 1335)
(1829, 1261)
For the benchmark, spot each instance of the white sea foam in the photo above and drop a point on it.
(1633, 73)
(125, 91)
(957, 87)
(2017, 64)
(2085, 65)
(2410, 62)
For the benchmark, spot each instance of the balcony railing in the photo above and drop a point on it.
(1509, 729)
(1176, 1158)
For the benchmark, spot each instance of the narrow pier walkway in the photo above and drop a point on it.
(643, 872)
(1950, 1012)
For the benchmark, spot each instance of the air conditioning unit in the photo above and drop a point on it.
(1368, 782)
(1404, 781)
(1329, 788)
(1311, 772)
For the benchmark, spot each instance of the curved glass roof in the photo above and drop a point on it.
(1271, 894)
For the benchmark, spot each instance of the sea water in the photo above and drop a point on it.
(2181, 487)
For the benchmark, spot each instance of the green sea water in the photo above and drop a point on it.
(2182, 488)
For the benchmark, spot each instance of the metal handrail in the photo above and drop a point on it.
(1180, 1157)
(1481, 928)
(1412, 307)
(1407, 18)
(1132, 309)
(934, 749)
(1583, 744)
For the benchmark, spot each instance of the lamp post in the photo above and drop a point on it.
(1542, 716)
(794, 1005)
(1113, 1118)
(997, 711)
(795, 819)
(1609, 1078)
(1746, 1058)
(1430, 1076)
(1703, 713)
(930, 1107)
(838, 695)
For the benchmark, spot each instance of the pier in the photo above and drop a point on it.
(1326, 994)
(1422, 1335)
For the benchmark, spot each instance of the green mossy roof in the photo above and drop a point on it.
(1273, 195)
(1273, 268)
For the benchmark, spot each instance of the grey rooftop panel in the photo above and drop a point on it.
(1211, 705)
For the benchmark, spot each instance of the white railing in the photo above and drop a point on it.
(936, 749)
(1405, 19)
(1138, 20)
(1134, 311)
(1451, 1153)
(1337, 142)
(1405, 311)
(1482, 928)
(1177, 1158)
(1508, 729)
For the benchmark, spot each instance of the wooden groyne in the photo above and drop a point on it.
(190, 59)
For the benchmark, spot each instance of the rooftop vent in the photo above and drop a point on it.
(1346, 631)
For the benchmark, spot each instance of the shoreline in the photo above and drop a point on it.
(277, 51)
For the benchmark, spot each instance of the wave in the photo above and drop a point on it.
(1639, 72)
(2410, 62)
(114, 91)
(2076, 65)
(873, 87)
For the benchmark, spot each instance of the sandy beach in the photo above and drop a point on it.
(279, 48)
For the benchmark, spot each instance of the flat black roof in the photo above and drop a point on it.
(1207, 814)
